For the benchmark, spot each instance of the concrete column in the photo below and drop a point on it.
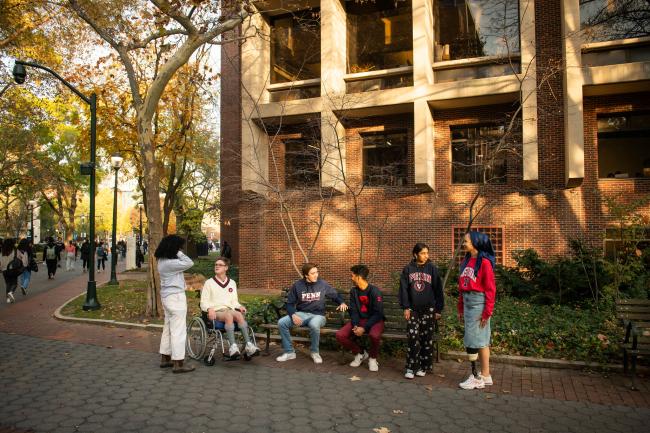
(530, 153)
(333, 68)
(255, 76)
(422, 42)
(573, 80)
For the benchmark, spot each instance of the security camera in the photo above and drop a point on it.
(19, 73)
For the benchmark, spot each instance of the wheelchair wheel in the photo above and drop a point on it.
(197, 337)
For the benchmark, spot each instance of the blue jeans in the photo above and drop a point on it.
(313, 321)
(27, 276)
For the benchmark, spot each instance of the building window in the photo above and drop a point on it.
(624, 145)
(478, 154)
(385, 158)
(380, 35)
(626, 241)
(295, 46)
(476, 28)
(608, 20)
(302, 163)
(495, 234)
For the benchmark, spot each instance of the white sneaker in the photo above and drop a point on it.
(487, 380)
(251, 349)
(373, 365)
(472, 383)
(409, 374)
(234, 351)
(10, 298)
(421, 373)
(316, 357)
(286, 356)
(358, 359)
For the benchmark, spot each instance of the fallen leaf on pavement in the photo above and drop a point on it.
(355, 378)
(429, 388)
(489, 396)
(381, 430)
(397, 411)
(505, 391)
(459, 360)
(440, 375)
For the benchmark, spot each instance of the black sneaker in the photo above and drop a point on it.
(24, 290)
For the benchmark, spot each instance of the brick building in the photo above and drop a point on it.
(349, 124)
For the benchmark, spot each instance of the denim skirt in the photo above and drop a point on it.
(475, 336)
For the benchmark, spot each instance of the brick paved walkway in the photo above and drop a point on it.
(25, 361)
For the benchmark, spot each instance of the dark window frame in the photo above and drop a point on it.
(473, 166)
(296, 172)
(400, 179)
(626, 131)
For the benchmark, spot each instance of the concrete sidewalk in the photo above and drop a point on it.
(33, 317)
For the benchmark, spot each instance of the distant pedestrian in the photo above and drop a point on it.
(421, 298)
(145, 247)
(226, 251)
(70, 252)
(85, 254)
(50, 257)
(60, 247)
(477, 288)
(101, 257)
(11, 267)
(171, 264)
(26, 255)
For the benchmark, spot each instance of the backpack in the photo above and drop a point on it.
(50, 253)
(14, 268)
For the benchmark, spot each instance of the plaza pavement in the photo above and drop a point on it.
(60, 376)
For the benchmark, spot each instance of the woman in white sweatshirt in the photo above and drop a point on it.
(171, 264)
(219, 300)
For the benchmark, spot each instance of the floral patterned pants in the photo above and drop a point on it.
(419, 333)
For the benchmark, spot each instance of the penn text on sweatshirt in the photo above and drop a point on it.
(483, 282)
(421, 287)
(310, 297)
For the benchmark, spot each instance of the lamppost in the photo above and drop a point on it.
(32, 206)
(116, 162)
(139, 252)
(87, 168)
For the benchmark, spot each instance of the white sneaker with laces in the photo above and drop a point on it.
(373, 365)
(409, 374)
(286, 356)
(234, 350)
(358, 359)
(316, 357)
(251, 349)
(421, 373)
(10, 298)
(487, 380)
(472, 383)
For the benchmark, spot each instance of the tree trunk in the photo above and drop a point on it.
(154, 217)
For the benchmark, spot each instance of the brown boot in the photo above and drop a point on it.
(166, 361)
(179, 368)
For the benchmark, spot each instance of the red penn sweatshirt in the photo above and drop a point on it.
(484, 283)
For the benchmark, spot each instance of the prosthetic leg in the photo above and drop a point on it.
(473, 356)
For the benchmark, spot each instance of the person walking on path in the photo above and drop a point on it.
(50, 257)
(226, 250)
(85, 254)
(219, 300)
(70, 253)
(26, 256)
(421, 298)
(171, 264)
(306, 308)
(477, 289)
(11, 267)
(367, 317)
(101, 257)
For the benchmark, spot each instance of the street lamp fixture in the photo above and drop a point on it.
(116, 162)
(87, 168)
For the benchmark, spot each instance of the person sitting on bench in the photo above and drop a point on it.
(219, 300)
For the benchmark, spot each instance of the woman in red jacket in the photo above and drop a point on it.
(476, 303)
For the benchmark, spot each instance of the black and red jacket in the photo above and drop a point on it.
(366, 304)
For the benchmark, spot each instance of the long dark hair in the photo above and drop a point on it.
(25, 245)
(419, 247)
(169, 247)
(482, 243)
(8, 246)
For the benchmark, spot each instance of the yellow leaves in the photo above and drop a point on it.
(355, 378)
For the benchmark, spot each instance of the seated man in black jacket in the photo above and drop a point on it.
(367, 314)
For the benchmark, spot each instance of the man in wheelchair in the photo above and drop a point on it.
(219, 300)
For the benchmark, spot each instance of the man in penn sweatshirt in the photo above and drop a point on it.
(421, 297)
(306, 307)
(367, 314)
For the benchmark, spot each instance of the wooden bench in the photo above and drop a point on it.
(635, 316)
(394, 324)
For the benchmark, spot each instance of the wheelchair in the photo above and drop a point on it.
(205, 337)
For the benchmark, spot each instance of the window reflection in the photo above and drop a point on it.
(295, 46)
(624, 145)
(385, 158)
(475, 28)
(380, 35)
(607, 20)
(473, 154)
